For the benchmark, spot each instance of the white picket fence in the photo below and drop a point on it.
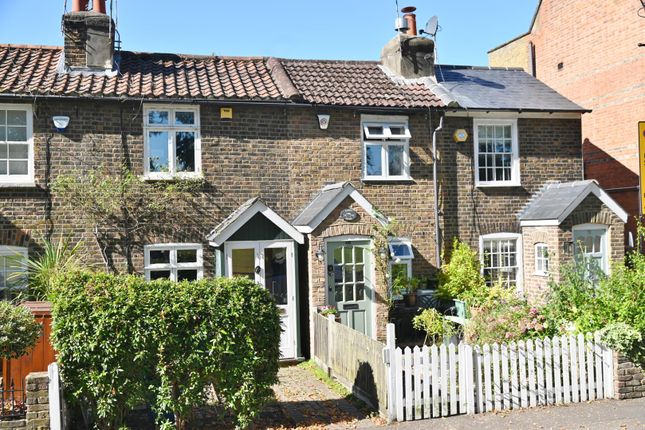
(453, 379)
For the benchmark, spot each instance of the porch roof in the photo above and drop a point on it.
(556, 202)
(240, 216)
(326, 201)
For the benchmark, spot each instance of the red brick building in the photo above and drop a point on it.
(588, 50)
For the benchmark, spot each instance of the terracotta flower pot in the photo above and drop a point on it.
(410, 299)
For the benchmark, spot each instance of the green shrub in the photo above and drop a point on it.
(461, 274)
(19, 330)
(123, 341)
(624, 339)
(434, 324)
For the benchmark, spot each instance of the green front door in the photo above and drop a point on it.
(350, 286)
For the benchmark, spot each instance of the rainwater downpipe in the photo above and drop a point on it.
(435, 184)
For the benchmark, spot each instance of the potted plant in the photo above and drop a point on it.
(408, 288)
(329, 310)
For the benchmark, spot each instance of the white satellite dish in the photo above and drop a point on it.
(431, 26)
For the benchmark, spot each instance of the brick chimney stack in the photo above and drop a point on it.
(89, 37)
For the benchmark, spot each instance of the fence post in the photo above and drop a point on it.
(470, 385)
(55, 405)
(331, 320)
(388, 359)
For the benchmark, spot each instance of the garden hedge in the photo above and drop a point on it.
(123, 341)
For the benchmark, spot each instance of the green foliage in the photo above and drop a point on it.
(436, 326)
(624, 339)
(461, 275)
(123, 341)
(485, 296)
(403, 284)
(506, 321)
(54, 260)
(19, 330)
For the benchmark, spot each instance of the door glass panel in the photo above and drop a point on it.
(338, 255)
(347, 251)
(359, 273)
(244, 262)
(359, 255)
(275, 273)
(349, 274)
(349, 292)
(338, 293)
(338, 274)
(360, 291)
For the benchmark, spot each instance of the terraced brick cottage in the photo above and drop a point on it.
(297, 161)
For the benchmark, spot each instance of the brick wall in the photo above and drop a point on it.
(596, 43)
(629, 378)
(37, 400)
(536, 285)
(513, 54)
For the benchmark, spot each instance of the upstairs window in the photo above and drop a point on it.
(497, 161)
(13, 271)
(172, 145)
(176, 262)
(16, 144)
(386, 148)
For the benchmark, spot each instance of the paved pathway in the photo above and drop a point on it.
(601, 415)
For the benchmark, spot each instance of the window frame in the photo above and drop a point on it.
(545, 259)
(172, 129)
(515, 157)
(13, 251)
(384, 141)
(173, 266)
(604, 243)
(29, 178)
(519, 258)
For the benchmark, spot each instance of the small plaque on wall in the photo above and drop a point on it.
(349, 215)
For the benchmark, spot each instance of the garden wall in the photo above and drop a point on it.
(37, 400)
(629, 378)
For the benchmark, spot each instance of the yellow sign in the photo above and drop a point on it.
(226, 113)
(641, 151)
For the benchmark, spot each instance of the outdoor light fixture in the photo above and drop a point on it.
(320, 254)
(60, 122)
(382, 252)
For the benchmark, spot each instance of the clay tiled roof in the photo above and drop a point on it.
(35, 70)
(355, 83)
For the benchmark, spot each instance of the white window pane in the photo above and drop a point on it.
(184, 118)
(17, 134)
(186, 256)
(3, 150)
(185, 150)
(159, 274)
(158, 151)
(17, 152)
(3, 133)
(395, 160)
(3, 117)
(157, 117)
(373, 160)
(16, 117)
(3, 167)
(160, 256)
(18, 167)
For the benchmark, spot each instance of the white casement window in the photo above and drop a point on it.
(172, 142)
(590, 249)
(386, 143)
(13, 271)
(16, 145)
(401, 258)
(497, 160)
(177, 262)
(541, 259)
(501, 257)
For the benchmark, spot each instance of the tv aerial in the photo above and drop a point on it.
(432, 26)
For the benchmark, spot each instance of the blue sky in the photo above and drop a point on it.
(331, 29)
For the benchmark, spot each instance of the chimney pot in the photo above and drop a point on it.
(99, 6)
(411, 18)
(79, 5)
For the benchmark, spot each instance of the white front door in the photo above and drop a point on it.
(270, 264)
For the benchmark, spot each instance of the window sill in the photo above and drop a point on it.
(498, 185)
(408, 180)
(541, 274)
(18, 185)
(174, 178)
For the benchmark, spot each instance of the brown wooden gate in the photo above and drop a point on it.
(40, 357)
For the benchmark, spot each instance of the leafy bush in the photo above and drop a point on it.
(623, 338)
(461, 274)
(123, 341)
(506, 322)
(485, 296)
(434, 324)
(19, 330)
